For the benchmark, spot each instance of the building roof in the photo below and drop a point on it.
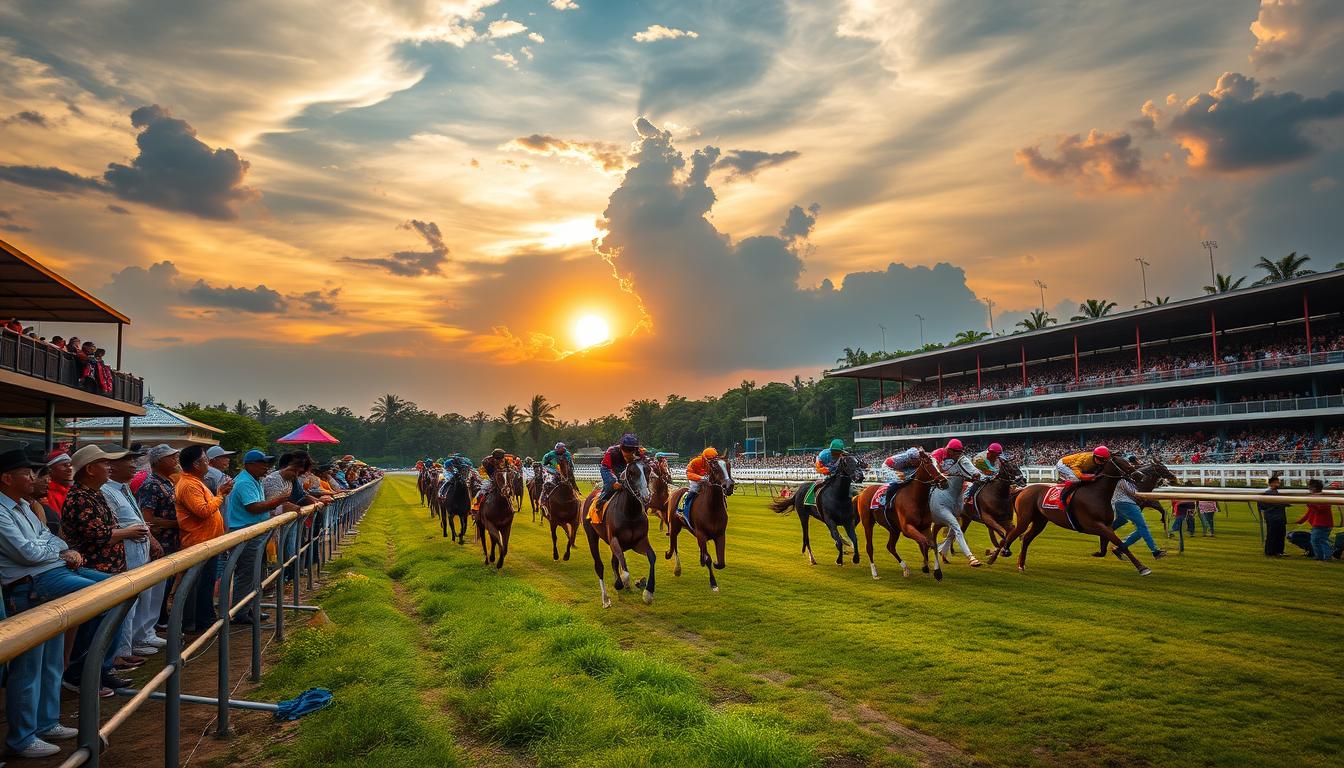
(156, 417)
(1274, 302)
(31, 292)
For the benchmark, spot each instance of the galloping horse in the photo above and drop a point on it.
(910, 498)
(495, 517)
(709, 517)
(1146, 479)
(625, 526)
(833, 507)
(660, 487)
(562, 507)
(453, 499)
(424, 484)
(516, 489)
(1087, 511)
(534, 484)
(992, 504)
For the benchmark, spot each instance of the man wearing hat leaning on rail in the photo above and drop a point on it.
(35, 567)
(218, 459)
(248, 505)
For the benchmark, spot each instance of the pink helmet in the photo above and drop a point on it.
(954, 444)
(995, 448)
(1101, 452)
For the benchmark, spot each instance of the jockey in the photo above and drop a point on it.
(827, 461)
(614, 462)
(697, 472)
(1082, 467)
(953, 462)
(550, 463)
(900, 463)
(987, 461)
(496, 460)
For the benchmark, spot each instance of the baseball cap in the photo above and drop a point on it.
(161, 452)
(254, 455)
(57, 457)
(215, 451)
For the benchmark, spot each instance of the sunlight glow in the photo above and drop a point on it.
(562, 234)
(591, 330)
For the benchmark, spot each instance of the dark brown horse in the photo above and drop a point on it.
(708, 515)
(834, 507)
(534, 484)
(1146, 479)
(452, 497)
(562, 507)
(912, 504)
(424, 484)
(660, 488)
(625, 526)
(992, 505)
(517, 488)
(494, 520)
(1088, 511)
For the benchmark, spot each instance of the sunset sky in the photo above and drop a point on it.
(320, 202)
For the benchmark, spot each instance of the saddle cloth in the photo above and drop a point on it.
(879, 498)
(810, 498)
(597, 514)
(1053, 498)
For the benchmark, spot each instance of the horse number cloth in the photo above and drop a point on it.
(810, 498)
(879, 498)
(1052, 499)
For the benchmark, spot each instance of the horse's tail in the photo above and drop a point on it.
(783, 504)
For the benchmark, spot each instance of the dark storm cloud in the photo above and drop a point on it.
(161, 286)
(259, 300)
(1101, 161)
(28, 117)
(745, 163)
(413, 263)
(174, 170)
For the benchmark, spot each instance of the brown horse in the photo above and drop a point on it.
(660, 487)
(534, 484)
(912, 516)
(992, 505)
(494, 520)
(1088, 511)
(517, 488)
(624, 526)
(562, 507)
(709, 518)
(424, 484)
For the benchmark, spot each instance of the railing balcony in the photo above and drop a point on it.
(30, 357)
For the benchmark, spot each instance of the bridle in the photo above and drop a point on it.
(939, 479)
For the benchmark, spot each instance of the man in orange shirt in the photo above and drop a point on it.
(199, 520)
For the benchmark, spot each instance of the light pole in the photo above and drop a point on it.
(1143, 272)
(884, 337)
(1209, 245)
(990, 303)
(1042, 286)
(921, 329)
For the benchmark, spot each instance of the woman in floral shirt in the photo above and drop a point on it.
(87, 522)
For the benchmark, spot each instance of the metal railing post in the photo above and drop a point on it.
(224, 607)
(258, 575)
(91, 681)
(294, 575)
(172, 703)
(279, 536)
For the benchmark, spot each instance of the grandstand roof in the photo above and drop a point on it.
(30, 291)
(1275, 302)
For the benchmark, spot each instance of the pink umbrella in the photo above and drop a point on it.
(308, 433)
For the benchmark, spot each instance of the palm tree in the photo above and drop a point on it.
(190, 405)
(241, 408)
(512, 417)
(265, 412)
(1037, 320)
(540, 415)
(387, 408)
(1224, 284)
(1157, 301)
(967, 337)
(1287, 268)
(1092, 309)
(478, 421)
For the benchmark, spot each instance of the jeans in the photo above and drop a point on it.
(1276, 528)
(1206, 522)
(59, 582)
(1188, 519)
(33, 692)
(139, 625)
(608, 483)
(1129, 512)
(1320, 542)
(199, 610)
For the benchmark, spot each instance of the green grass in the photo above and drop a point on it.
(1220, 657)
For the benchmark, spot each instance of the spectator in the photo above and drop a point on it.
(219, 467)
(1207, 510)
(137, 633)
(1321, 518)
(156, 499)
(248, 505)
(199, 520)
(286, 478)
(1276, 520)
(39, 501)
(58, 465)
(1127, 510)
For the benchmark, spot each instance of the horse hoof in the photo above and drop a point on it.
(714, 589)
(606, 602)
(566, 557)
(856, 558)
(676, 571)
(925, 569)
(648, 597)
(905, 572)
(641, 583)
(938, 575)
(1146, 571)
(1021, 569)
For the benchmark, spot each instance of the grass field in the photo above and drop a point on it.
(1221, 657)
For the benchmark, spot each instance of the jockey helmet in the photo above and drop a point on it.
(954, 445)
(837, 444)
(995, 448)
(1101, 452)
(710, 453)
(560, 448)
(629, 441)
(498, 453)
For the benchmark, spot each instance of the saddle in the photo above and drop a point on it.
(1058, 496)
(879, 499)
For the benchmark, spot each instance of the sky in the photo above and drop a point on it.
(469, 202)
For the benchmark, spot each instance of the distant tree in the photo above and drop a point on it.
(540, 416)
(967, 337)
(1037, 320)
(1092, 309)
(241, 433)
(478, 421)
(344, 412)
(1156, 301)
(241, 408)
(265, 412)
(190, 405)
(1224, 284)
(511, 417)
(1286, 268)
(387, 408)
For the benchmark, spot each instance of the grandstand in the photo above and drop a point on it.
(1255, 375)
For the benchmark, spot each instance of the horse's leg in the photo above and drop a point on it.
(1019, 527)
(894, 533)
(504, 543)
(555, 545)
(644, 548)
(1038, 524)
(937, 559)
(674, 527)
(597, 563)
(803, 518)
(1103, 530)
(839, 544)
(853, 538)
(571, 529)
(480, 534)
(868, 542)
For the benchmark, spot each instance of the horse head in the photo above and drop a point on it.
(1124, 468)
(1153, 474)
(852, 467)
(564, 468)
(928, 471)
(1011, 473)
(721, 474)
(635, 479)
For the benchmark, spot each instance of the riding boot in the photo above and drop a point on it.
(686, 502)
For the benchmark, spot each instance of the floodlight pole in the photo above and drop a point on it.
(990, 303)
(1209, 245)
(1042, 286)
(921, 331)
(1143, 272)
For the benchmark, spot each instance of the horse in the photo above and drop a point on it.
(516, 489)
(494, 520)
(992, 505)
(709, 518)
(660, 487)
(912, 496)
(1087, 510)
(453, 500)
(625, 526)
(534, 484)
(1146, 479)
(562, 507)
(423, 483)
(833, 507)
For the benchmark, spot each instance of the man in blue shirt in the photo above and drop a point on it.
(247, 505)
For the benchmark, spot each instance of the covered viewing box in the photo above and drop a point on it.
(38, 380)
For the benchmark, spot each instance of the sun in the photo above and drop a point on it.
(591, 330)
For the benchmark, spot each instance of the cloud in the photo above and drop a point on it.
(658, 32)
(746, 163)
(413, 263)
(1324, 184)
(1102, 161)
(506, 347)
(27, 116)
(508, 58)
(160, 294)
(564, 5)
(799, 223)
(259, 300)
(1237, 127)
(7, 223)
(602, 155)
(505, 28)
(174, 171)
(117, 209)
(1289, 29)
(536, 38)
(319, 301)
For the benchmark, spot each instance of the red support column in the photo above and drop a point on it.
(1075, 358)
(977, 370)
(1138, 348)
(1213, 331)
(1306, 318)
(1024, 364)
(881, 390)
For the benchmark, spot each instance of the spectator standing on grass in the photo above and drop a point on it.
(137, 634)
(248, 505)
(1207, 510)
(199, 520)
(1321, 518)
(218, 472)
(1276, 520)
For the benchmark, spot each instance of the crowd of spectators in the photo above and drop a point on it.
(71, 519)
(90, 360)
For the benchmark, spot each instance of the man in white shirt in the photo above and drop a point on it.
(137, 633)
